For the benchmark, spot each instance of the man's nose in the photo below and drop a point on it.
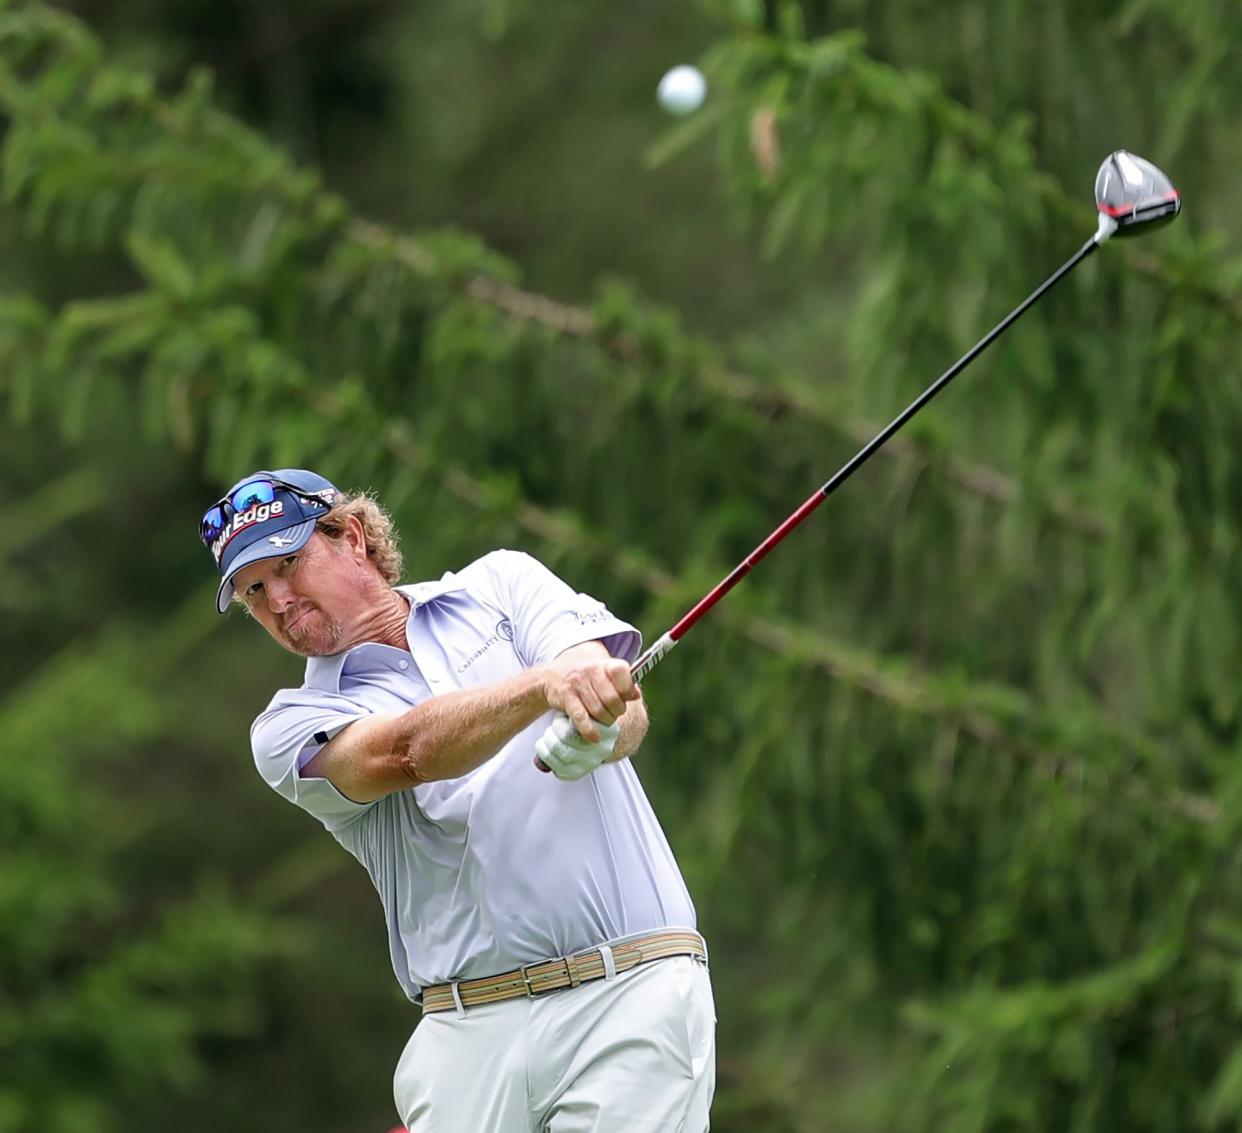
(280, 595)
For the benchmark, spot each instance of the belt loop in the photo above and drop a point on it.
(461, 1007)
(610, 965)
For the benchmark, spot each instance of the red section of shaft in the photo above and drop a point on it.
(869, 449)
(743, 568)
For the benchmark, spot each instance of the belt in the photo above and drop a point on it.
(534, 980)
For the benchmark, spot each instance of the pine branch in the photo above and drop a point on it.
(793, 397)
(56, 502)
(837, 68)
(190, 122)
(323, 217)
(993, 714)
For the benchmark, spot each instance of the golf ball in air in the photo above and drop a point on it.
(682, 89)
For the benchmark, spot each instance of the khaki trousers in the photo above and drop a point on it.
(630, 1054)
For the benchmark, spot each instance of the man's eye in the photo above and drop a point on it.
(290, 559)
(253, 589)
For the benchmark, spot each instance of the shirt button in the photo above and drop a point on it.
(403, 664)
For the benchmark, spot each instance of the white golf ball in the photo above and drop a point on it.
(682, 90)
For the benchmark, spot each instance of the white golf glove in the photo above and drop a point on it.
(567, 754)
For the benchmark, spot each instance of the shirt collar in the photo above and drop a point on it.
(325, 672)
(420, 593)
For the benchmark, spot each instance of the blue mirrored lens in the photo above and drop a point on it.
(255, 492)
(212, 525)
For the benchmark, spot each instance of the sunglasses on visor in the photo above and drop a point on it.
(260, 490)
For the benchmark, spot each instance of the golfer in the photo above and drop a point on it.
(539, 920)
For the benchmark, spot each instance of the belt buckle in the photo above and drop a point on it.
(531, 991)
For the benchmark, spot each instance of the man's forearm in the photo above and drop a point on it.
(441, 738)
(454, 733)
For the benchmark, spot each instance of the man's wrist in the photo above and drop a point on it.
(634, 724)
(543, 678)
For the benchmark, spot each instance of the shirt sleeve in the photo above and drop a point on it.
(548, 616)
(288, 734)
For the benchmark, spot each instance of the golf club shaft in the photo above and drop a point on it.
(660, 648)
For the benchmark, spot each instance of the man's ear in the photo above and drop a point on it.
(355, 537)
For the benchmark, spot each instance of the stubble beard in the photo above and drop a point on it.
(316, 635)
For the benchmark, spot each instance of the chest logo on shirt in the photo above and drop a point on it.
(504, 632)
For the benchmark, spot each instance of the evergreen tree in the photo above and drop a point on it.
(951, 776)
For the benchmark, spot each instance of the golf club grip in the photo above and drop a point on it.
(641, 666)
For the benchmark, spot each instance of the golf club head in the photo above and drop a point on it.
(1134, 194)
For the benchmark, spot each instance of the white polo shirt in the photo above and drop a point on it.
(504, 865)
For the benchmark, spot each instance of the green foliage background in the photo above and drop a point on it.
(953, 777)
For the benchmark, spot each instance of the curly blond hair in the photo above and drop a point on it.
(381, 535)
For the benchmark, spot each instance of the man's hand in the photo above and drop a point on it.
(567, 755)
(589, 687)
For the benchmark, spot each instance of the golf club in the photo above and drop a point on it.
(1131, 195)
